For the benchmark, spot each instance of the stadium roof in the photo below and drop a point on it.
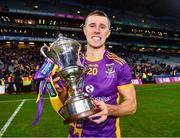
(167, 9)
(156, 8)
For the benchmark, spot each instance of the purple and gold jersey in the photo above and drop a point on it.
(103, 80)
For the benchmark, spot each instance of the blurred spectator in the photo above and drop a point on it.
(10, 81)
(18, 83)
(2, 82)
(27, 82)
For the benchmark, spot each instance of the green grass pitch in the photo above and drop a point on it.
(157, 115)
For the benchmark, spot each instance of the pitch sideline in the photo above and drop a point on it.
(7, 101)
(4, 128)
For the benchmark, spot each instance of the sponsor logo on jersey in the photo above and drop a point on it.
(89, 88)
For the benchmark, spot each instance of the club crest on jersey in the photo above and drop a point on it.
(110, 70)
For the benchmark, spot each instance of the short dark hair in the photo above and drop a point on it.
(99, 13)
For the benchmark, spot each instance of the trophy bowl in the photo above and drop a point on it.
(65, 52)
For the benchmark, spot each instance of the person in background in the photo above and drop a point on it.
(2, 82)
(18, 83)
(10, 82)
(107, 79)
(26, 80)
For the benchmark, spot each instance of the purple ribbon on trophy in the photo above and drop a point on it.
(42, 91)
(45, 70)
(44, 76)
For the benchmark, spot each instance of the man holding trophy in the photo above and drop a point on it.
(87, 91)
(108, 77)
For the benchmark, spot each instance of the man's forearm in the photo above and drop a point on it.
(127, 107)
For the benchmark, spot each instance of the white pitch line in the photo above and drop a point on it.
(7, 101)
(3, 129)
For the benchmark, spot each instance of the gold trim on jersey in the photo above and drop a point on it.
(94, 59)
(119, 60)
(118, 130)
(125, 86)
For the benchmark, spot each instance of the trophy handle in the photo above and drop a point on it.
(42, 50)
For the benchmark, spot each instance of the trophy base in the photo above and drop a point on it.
(81, 115)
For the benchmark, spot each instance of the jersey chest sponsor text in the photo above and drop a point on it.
(93, 69)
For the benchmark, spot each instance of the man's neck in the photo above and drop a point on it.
(95, 53)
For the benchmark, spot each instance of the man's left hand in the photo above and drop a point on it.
(101, 116)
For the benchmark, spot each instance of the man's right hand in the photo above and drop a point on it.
(62, 92)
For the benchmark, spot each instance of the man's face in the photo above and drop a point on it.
(96, 30)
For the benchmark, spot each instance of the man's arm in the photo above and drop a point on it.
(127, 107)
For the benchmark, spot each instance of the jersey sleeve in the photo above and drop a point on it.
(124, 76)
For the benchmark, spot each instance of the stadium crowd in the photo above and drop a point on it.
(18, 67)
(146, 69)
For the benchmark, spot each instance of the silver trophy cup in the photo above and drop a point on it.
(65, 52)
